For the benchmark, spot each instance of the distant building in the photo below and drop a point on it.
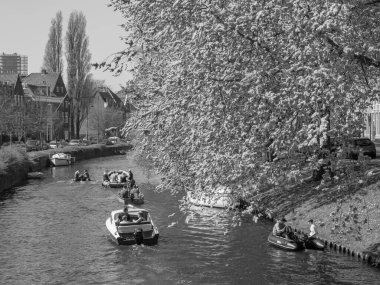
(14, 63)
(105, 111)
(46, 97)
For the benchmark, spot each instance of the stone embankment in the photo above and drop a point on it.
(39, 160)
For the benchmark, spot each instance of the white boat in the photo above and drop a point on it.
(219, 198)
(61, 159)
(128, 233)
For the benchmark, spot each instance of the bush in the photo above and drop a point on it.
(13, 159)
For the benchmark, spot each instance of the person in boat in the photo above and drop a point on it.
(280, 229)
(122, 178)
(86, 176)
(123, 216)
(124, 193)
(106, 177)
(135, 192)
(113, 176)
(140, 218)
(130, 175)
(77, 176)
(313, 231)
(132, 183)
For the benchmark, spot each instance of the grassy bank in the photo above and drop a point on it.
(15, 163)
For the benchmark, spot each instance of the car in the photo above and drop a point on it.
(74, 142)
(32, 145)
(106, 142)
(361, 145)
(114, 140)
(54, 144)
(85, 142)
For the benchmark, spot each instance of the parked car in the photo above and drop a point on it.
(54, 144)
(85, 142)
(363, 145)
(114, 140)
(106, 142)
(32, 145)
(74, 142)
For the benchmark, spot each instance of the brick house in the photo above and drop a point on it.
(48, 104)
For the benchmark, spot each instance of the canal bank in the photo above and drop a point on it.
(16, 163)
(347, 218)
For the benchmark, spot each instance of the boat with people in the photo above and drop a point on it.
(61, 159)
(140, 229)
(117, 179)
(108, 184)
(285, 243)
(221, 197)
(127, 196)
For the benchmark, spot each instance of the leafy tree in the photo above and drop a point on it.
(223, 81)
(53, 50)
(78, 66)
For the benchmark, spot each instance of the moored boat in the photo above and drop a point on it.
(61, 159)
(314, 243)
(129, 233)
(284, 243)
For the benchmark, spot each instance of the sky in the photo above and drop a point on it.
(25, 24)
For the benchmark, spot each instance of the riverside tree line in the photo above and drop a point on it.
(219, 83)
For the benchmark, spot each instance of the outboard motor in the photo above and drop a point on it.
(139, 238)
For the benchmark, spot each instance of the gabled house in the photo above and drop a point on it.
(105, 111)
(48, 104)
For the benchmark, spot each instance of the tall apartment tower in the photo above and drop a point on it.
(13, 63)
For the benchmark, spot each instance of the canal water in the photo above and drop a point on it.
(53, 232)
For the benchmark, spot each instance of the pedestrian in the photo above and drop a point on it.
(313, 231)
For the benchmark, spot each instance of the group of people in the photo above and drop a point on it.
(118, 176)
(282, 230)
(126, 217)
(130, 192)
(85, 176)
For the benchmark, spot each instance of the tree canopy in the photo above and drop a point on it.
(53, 51)
(220, 82)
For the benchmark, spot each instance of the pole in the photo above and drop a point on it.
(87, 126)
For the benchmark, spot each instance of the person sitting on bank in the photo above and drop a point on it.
(313, 231)
(140, 218)
(280, 228)
(86, 176)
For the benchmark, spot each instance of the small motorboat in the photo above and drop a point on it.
(129, 233)
(61, 159)
(126, 198)
(314, 243)
(284, 243)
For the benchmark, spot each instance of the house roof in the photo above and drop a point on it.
(108, 96)
(42, 79)
(9, 77)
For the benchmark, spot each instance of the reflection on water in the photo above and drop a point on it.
(53, 232)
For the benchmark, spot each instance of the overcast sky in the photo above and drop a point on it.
(25, 24)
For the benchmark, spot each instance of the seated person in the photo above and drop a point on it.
(135, 192)
(280, 229)
(122, 178)
(105, 176)
(140, 218)
(124, 193)
(77, 176)
(132, 183)
(86, 176)
(130, 175)
(113, 177)
(123, 216)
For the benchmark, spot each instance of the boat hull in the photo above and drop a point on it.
(127, 201)
(284, 243)
(315, 244)
(114, 184)
(60, 161)
(149, 238)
